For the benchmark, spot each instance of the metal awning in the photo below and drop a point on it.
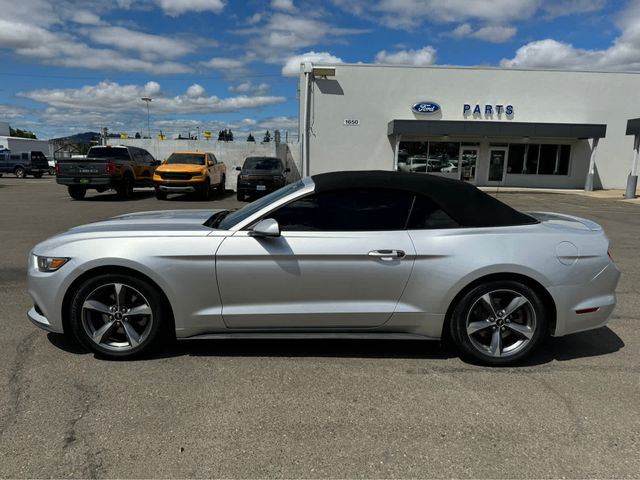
(633, 126)
(497, 129)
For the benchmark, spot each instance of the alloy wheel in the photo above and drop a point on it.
(117, 317)
(501, 323)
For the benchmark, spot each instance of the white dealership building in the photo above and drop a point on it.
(489, 126)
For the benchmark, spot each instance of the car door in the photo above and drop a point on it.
(342, 260)
(214, 171)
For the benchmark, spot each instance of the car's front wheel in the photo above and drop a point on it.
(498, 322)
(117, 315)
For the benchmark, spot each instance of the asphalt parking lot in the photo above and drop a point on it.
(310, 408)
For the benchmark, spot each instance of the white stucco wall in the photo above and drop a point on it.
(375, 95)
(19, 145)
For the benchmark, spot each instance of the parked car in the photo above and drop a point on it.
(259, 176)
(24, 163)
(353, 254)
(190, 172)
(107, 167)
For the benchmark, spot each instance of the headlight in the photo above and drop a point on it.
(50, 264)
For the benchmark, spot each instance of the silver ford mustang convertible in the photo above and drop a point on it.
(345, 254)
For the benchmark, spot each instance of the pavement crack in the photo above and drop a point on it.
(78, 447)
(17, 381)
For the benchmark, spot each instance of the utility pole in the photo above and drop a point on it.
(147, 100)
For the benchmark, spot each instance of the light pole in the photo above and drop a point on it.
(147, 100)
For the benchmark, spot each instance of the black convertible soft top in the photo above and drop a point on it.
(463, 202)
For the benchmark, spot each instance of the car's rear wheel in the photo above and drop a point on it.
(498, 322)
(77, 193)
(37, 175)
(20, 172)
(117, 315)
(125, 189)
(52, 171)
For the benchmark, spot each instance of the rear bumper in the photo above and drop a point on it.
(598, 295)
(93, 182)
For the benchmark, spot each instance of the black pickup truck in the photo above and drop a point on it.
(107, 167)
(23, 164)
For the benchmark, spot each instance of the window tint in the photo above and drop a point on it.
(346, 210)
(563, 160)
(108, 152)
(548, 157)
(25, 156)
(425, 214)
(516, 158)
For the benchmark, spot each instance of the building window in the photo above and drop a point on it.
(429, 157)
(540, 159)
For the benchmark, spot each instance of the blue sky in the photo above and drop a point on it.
(76, 65)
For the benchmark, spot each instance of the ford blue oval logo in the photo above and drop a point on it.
(426, 107)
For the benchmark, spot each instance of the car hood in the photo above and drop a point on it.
(148, 224)
(180, 167)
(266, 173)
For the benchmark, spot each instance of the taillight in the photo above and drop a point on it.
(111, 168)
(57, 169)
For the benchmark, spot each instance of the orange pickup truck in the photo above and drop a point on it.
(190, 172)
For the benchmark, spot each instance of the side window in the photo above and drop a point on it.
(346, 210)
(148, 158)
(213, 158)
(426, 215)
(25, 156)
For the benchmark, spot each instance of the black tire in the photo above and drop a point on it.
(148, 327)
(37, 175)
(205, 190)
(20, 172)
(76, 192)
(160, 195)
(511, 337)
(221, 187)
(240, 196)
(125, 189)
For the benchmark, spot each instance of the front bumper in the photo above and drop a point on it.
(41, 321)
(179, 187)
(598, 293)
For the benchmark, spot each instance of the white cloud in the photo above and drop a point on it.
(178, 7)
(86, 18)
(489, 33)
(151, 46)
(412, 13)
(220, 63)
(622, 55)
(291, 67)
(113, 97)
(423, 57)
(11, 111)
(286, 5)
(283, 33)
(250, 88)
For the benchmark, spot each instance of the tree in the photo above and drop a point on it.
(221, 136)
(229, 136)
(267, 137)
(21, 133)
(138, 135)
(250, 138)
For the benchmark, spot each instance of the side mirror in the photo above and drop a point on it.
(287, 170)
(210, 163)
(266, 228)
(239, 169)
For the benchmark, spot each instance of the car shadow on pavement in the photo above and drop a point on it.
(580, 345)
(113, 196)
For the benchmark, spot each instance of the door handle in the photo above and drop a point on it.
(387, 255)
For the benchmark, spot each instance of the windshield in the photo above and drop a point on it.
(245, 212)
(186, 158)
(262, 163)
(108, 152)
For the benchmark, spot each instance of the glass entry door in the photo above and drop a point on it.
(468, 159)
(497, 163)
